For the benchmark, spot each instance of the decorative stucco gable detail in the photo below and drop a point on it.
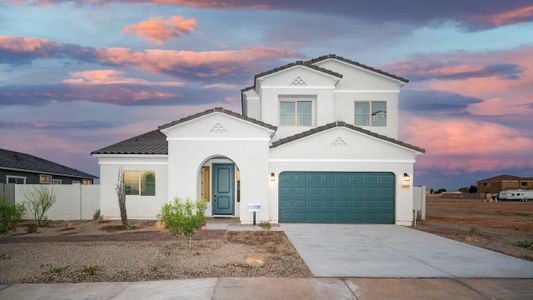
(338, 142)
(218, 128)
(298, 81)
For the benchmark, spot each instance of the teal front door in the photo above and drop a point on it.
(223, 189)
(336, 197)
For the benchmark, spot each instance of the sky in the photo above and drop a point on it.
(76, 76)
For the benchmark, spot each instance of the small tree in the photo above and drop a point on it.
(39, 199)
(183, 217)
(120, 188)
(472, 189)
(10, 215)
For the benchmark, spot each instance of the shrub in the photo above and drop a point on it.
(183, 217)
(58, 269)
(158, 260)
(524, 243)
(96, 215)
(265, 225)
(39, 199)
(89, 270)
(10, 216)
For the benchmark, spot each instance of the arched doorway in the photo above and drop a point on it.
(219, 184)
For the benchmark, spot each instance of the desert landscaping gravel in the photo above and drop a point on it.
(32, 262)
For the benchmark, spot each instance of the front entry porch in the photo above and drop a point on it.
(219, 184)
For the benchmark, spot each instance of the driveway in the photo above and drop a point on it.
(332, 250)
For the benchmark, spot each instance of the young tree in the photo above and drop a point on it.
(39, 199)
(120, 188)
(183, 217)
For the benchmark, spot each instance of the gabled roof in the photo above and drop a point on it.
(355, 63)
(152, 142)
(221, 110)
(349, 126)
(13, 160)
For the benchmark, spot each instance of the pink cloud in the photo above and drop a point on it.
(222, 86)
(159, 30)
(468, 145)
(22, 44)
(509, 17)
(112, 77)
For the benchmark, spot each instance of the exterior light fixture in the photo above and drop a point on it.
(272, 176)
(406, 181)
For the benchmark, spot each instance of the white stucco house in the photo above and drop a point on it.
(316, 142)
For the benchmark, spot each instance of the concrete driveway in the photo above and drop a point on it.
(396, 251)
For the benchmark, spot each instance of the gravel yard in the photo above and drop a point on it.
(496, 226)
(215, 255)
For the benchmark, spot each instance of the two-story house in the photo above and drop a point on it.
(316, 143)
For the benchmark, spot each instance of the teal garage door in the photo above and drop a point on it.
(336, 197)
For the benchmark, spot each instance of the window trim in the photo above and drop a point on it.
(59, 181)
(140, 182)
(295, 99)
(370, 109)
(51, 179)
(17, 177)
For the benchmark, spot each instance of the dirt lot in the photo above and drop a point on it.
(90, 253)
(495, 226)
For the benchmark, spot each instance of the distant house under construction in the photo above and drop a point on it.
(496, 184)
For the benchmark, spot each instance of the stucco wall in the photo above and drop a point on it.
(138, 207)
(73, 201)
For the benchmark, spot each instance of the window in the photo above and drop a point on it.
(87, 181)
(371, 113)
(296, 113)
(140, 183)
(15, 179)
(75, 182)
(486, 184)
(523, 183)
(57, 181)
(47, 179)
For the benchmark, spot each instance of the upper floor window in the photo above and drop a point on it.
(87, 181)
(57, 181)
(140, 183)
(371, 113)
(296, 113)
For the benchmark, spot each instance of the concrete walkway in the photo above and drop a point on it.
(332, 250)
(279, 288)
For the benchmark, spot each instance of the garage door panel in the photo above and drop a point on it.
(336, 197)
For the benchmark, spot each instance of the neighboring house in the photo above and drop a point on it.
(316, 142)
(22, 168)
(496, 184)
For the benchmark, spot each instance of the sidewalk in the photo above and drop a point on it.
(279, 288)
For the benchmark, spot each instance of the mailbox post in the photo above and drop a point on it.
(254, 208)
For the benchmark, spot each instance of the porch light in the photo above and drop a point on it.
(406, 182)
(272, 176)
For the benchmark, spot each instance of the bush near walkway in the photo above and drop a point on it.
(183, 217)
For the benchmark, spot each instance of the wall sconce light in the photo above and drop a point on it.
(406, 181)
(272, 176)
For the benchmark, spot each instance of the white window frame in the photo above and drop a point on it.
(370, 105)
(57, 180)
(51, 179)
(295, 99)
(140, 183)
(17, 177)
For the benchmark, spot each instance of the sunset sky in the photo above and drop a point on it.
(79, 75)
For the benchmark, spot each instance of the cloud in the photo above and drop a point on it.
(113, 77)
(230, 64)
(223, 86)
(159, 30)
(45, 125)
(509, 17)
(435, 102)
(470, 15)
(468, 145)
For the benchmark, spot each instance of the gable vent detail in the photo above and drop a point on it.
(338, 142)
(218, 128)
(298, 81)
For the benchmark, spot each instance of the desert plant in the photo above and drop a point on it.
(473, 230)
(120, 188)
(10, 215)
(265, 225)
(158, 260)
(96, 215)
(183, 217)
(39, 199)
(524, 243)
(88, 270)
(57, 270)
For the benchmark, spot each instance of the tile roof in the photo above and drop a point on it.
(342, 124)
(355, 63)
(22, 161)
(218, 109)
(152, 142)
